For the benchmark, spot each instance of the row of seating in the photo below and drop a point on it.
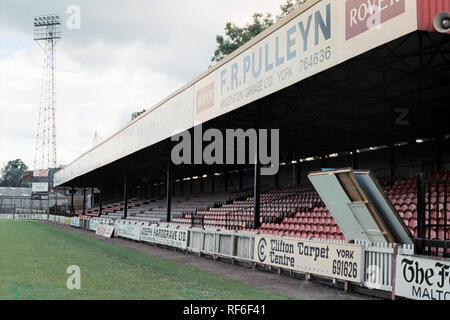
(295, 212)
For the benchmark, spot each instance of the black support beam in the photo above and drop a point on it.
(125, 196)
(256, 193)
(84, 201)
(72, 208)
(168, 194)
(100, 201)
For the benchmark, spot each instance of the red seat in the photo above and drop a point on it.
(408, 215)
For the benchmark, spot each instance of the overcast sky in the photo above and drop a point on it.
(127, 55)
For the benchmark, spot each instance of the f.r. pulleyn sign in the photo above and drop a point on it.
(423, 278)
(323, 36)
(334, 260)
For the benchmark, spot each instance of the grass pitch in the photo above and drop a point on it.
(34, 257)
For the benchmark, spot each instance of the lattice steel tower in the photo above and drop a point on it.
(47, 32)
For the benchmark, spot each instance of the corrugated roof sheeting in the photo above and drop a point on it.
(427, 11)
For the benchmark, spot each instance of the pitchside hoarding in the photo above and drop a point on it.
(75, 222)
(166, 236)
(105, 230)
(93, 224)
(30, 216)
(422, 278)
(129, 231)
(334, 260)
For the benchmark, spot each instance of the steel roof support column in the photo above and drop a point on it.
(125, 196)
(100, 201)
(299, 173)
(241, 179)
(277, 179)
(420, 213)
(355, 159)
(84, 201)
(439, 148)
(72, 209)
(256, 191)
(92, 198)
(392, 162)
(168, 193)
(226, 180)
(294, 171)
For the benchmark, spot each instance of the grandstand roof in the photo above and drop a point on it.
(320, 75)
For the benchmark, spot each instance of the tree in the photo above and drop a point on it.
(13, 172)
(235, 36)
(134, 115)
(288, 7)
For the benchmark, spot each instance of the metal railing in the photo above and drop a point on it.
(197, 221)
(432, 216)
(8, 209)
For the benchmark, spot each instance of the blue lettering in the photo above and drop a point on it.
(269, 66)
(246, 67)
(305, 32)
(279, 61)
(290, 43)
(234, 74)
(326, 29)
(223, 81)
(257, 73)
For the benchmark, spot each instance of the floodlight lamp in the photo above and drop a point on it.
(446, 23)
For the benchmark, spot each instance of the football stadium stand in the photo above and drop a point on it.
(296, 212)
(342, 94)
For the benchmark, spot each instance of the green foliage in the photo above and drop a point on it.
(288, 7)
(12, 174)
(135, 115)
(235, 36)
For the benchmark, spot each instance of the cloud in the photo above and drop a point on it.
(128, 55)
